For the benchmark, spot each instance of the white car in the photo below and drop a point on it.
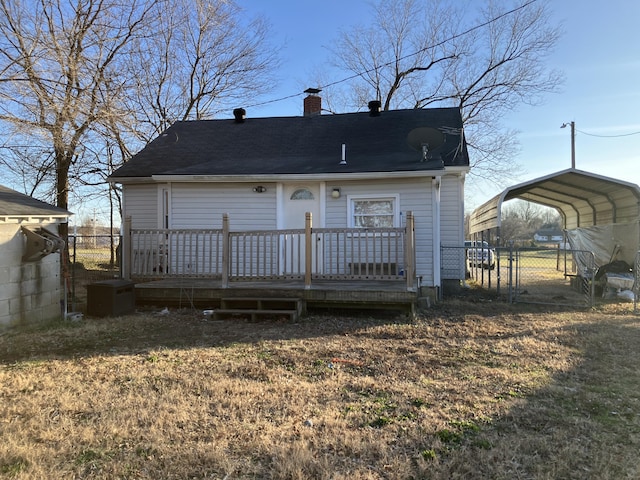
(480, 254)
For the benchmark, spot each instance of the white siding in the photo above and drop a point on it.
(452, 227)
(452, 211)
(415, 195)
(141, 204)
(203, 205)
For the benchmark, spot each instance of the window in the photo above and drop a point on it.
(302, 194)
(370, 212)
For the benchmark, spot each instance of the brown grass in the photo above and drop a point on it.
(466, 390)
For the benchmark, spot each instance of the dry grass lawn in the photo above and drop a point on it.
(465, 390)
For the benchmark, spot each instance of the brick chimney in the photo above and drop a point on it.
(312, 103)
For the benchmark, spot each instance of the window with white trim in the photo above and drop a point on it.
(374, 212)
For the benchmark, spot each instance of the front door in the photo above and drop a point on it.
(298, 200)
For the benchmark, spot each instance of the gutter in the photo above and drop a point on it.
(272, 177)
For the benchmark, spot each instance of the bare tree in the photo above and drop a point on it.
(521, 219)
(57, 59)
(84, 83)
(429, 53)
(30, 166)
(208, 58)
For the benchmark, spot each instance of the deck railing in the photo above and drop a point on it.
(301, 254)
(171, 253)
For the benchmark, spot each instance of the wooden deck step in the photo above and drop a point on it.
(221, 314)
(259, 307)
(262, 303)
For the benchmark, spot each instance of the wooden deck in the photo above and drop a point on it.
(209, 294)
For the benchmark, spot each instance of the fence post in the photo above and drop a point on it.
(225, 250)
(409, 251)
(308, 249)
(73, 272)
(511, 272)
(636, 282)
(126, 250)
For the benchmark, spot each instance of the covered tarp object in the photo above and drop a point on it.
(615, 241)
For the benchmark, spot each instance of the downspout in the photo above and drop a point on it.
(435, 202)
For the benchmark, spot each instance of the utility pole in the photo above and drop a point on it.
(573, 142)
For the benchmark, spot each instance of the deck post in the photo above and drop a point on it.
(225, 251)
(126, 250)
(410, 251)
(308, 250)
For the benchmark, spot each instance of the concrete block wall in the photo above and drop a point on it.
(29, 291)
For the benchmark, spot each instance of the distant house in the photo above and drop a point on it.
(32, 289)
(359, 171)
(548, 235)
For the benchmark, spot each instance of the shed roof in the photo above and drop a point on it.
(583, 199)
(303, 145)
(17, 206)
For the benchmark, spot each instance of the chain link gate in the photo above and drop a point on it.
(526, 275)
(553, 276)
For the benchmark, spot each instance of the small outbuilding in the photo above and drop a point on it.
(30, 260)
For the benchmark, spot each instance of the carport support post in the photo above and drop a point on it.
(497, 259)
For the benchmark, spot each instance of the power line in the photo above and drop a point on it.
(453, 37)
(608, 136)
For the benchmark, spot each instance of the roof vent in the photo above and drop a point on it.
(239, 115)
(374, 108)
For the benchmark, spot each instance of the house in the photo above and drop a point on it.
(30, 263)
(353, 173)
(549, 235)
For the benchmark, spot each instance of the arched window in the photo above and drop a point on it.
(302, 194)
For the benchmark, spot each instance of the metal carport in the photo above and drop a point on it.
(596, 211)
(583, 199)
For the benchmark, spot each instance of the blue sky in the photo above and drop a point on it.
(599, 54)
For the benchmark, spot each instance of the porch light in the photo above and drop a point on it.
(260, 189)
(335, 193)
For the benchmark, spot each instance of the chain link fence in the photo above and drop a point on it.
(553, 276)
(525, 275)
(92, 258)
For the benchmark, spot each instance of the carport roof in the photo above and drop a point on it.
(583, 199)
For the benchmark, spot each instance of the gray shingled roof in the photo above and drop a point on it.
(16, 204)
(300, 145)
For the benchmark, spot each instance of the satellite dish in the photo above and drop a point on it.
(430, 137)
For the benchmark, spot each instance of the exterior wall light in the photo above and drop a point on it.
(260, 189)
(335, 193)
